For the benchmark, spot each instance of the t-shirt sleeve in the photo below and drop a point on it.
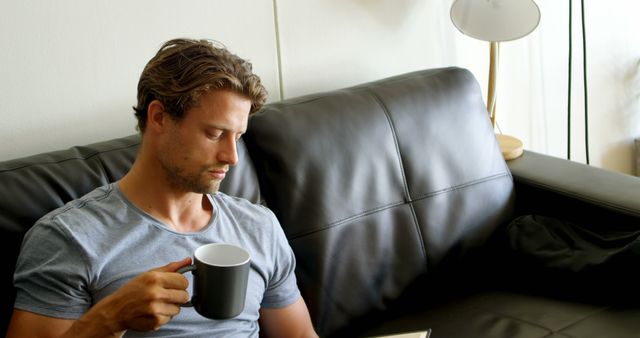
(50, 276)
(282, 289)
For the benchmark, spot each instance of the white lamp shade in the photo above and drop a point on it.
(495, 20)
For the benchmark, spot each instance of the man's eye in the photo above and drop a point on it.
(214, 135)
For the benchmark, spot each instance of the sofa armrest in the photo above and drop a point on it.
(561, 188)
(585, 242)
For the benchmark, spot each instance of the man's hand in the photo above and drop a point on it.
(148, 301)
(145, 303)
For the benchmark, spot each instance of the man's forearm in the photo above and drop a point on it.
(98, 322)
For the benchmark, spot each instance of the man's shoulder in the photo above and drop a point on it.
(242, 211)
(92, 205)
(239, 203)
(81, 220)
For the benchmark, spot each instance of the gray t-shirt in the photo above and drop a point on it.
(76, 255)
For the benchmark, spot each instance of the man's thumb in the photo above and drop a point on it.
(174, 266)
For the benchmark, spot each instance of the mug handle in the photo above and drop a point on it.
(183, 270)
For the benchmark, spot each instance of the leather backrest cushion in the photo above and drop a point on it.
(377, 183)
(242, 180)
(32, 186)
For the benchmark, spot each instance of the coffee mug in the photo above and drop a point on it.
(220, 276)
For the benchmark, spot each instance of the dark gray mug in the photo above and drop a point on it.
(220, 276)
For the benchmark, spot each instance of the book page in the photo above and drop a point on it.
(415, 334)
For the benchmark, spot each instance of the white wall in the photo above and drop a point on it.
(70, 67)
(613, 74)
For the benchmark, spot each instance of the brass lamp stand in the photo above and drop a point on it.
(496, 21)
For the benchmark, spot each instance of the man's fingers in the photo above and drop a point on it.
(176, 296)
(166, 277)
(166, 309)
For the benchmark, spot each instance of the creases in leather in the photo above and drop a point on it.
(385, 109)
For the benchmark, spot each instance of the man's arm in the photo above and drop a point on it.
(292, 321)
(145, 303)
(27, 324)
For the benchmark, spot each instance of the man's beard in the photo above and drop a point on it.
(193, 182)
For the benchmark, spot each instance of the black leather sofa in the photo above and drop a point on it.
(402, 214)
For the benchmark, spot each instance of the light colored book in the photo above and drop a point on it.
(415, 334)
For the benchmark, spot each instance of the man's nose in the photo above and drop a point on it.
(228, 153)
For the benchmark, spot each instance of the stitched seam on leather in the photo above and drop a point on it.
(559, 331)
(461, 186)
(96, 153)
(585, 317)
(347, 219)
(555, 334)
(385, 109)
(396, 204)
(522, 321)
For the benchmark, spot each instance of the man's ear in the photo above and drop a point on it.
(156, 116)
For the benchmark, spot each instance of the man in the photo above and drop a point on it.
(86, 269)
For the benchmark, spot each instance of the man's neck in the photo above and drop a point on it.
(180, 210)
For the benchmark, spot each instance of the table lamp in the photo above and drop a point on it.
(496, 21)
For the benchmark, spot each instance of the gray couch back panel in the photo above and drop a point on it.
(377, 184)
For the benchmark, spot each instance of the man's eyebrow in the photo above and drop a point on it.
(214, 126)
(223, 128)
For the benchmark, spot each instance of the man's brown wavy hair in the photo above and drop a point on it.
(184, 69)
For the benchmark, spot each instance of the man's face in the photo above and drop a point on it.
(198, 150)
